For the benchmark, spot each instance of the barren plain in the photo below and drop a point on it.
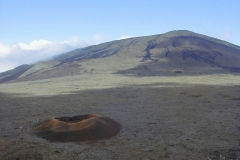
(175, 117)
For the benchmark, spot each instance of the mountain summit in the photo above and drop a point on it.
(173, 53)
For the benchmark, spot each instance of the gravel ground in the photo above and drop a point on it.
(170, 121)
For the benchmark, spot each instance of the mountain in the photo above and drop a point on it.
(174, 53)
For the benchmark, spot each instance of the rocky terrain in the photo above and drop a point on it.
(176, 96)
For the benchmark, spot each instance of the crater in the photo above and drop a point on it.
(80, 128)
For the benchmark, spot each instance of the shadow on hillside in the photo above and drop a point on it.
(163, 69)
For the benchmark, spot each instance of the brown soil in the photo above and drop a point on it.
(80, 128)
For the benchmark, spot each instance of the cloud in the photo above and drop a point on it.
(99, 37)
(227, 36)
(125, 37)
(4, 50)
(21, 53)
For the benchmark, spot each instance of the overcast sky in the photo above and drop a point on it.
(33, 30)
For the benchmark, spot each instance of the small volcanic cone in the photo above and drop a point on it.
(80, 128)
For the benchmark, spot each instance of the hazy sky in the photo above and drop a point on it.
(31, 30)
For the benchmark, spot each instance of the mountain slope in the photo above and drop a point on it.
(173, 53)
(14, 73)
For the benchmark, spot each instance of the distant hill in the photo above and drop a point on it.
(173, 53)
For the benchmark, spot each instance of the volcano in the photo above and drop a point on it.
(80, 128)
(174, 53)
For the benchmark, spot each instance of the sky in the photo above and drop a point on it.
(35, 30)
